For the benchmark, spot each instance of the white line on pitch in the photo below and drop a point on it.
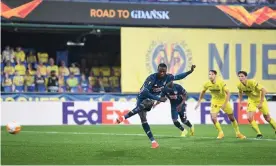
(122, 134)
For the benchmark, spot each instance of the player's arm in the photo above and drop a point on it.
(259, 87)
(263, 93)
(145, 91)
(227, 92)
(202, 93)
(158, 102)
(183, 75)
(240, 94)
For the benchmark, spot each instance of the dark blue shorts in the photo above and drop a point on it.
(175, 114)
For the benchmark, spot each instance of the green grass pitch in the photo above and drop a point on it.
(128, 145)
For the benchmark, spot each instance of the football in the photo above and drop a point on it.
(13, 127)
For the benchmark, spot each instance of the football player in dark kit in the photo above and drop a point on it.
(177, 96)
(150, 91)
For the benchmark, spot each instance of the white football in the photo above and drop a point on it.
(13, 128)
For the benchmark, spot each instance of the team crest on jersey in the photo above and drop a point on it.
(176, 56)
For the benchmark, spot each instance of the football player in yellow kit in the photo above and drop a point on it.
(256, 100)
(220, 101)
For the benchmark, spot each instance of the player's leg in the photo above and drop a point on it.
(267, 117)
(229, 111)
(183, 116)
(251, 109)
(146, 127)
(214, 113)
(141, 106)
(176, 123)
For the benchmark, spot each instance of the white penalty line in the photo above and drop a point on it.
(142, 135)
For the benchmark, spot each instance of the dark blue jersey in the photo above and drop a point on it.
(153, 86)
(175, 94)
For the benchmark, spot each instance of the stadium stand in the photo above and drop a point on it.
(26, 74)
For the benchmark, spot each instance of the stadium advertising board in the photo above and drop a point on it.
(43, 97)
(138, 14)
(95, 113)
(226, 51)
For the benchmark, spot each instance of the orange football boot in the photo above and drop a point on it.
(120, 119)
(154, 145)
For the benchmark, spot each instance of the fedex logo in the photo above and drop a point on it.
(238, 110)
(90, 113)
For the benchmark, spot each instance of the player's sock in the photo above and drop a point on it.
(273, 123)
(255, 127)
(218, 127)
(146, 128)
(188, 123)
(178, 125)
(131, 113)
(236, 126)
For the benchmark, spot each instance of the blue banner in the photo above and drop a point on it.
(89, 97)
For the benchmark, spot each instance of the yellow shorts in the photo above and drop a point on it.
(216, 107)
(252, 107)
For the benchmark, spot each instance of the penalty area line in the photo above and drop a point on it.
(124, 134)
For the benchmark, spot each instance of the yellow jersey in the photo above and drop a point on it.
(42, 69)
(21, 69)
(32, 72)
(105, 70)
(7, 82)
(61, 81)
(114, 81)
(92, 81)
(54, 67)
(18, 80)
(105, 81)
(42, 57)
(75, 70)
(9, 70)
(20, 55)
(117, 71)
(252, 89)
(96, 71)
(29, 80)
(31, 59)
(72, 82)
(64, 71)
(217, 91)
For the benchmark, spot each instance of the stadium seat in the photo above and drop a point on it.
(43, 57)
(41, 88)
(74, 89)
(19, 88)
(65, 78)
(117, 71)
(11, 76)
(31, 88)
(63, 89)
(106, 71)
(78, 77)
(7, 89)
(84, 89)
(2, 66)
(96, 71)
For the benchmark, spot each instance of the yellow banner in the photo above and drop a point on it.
(226, 51)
